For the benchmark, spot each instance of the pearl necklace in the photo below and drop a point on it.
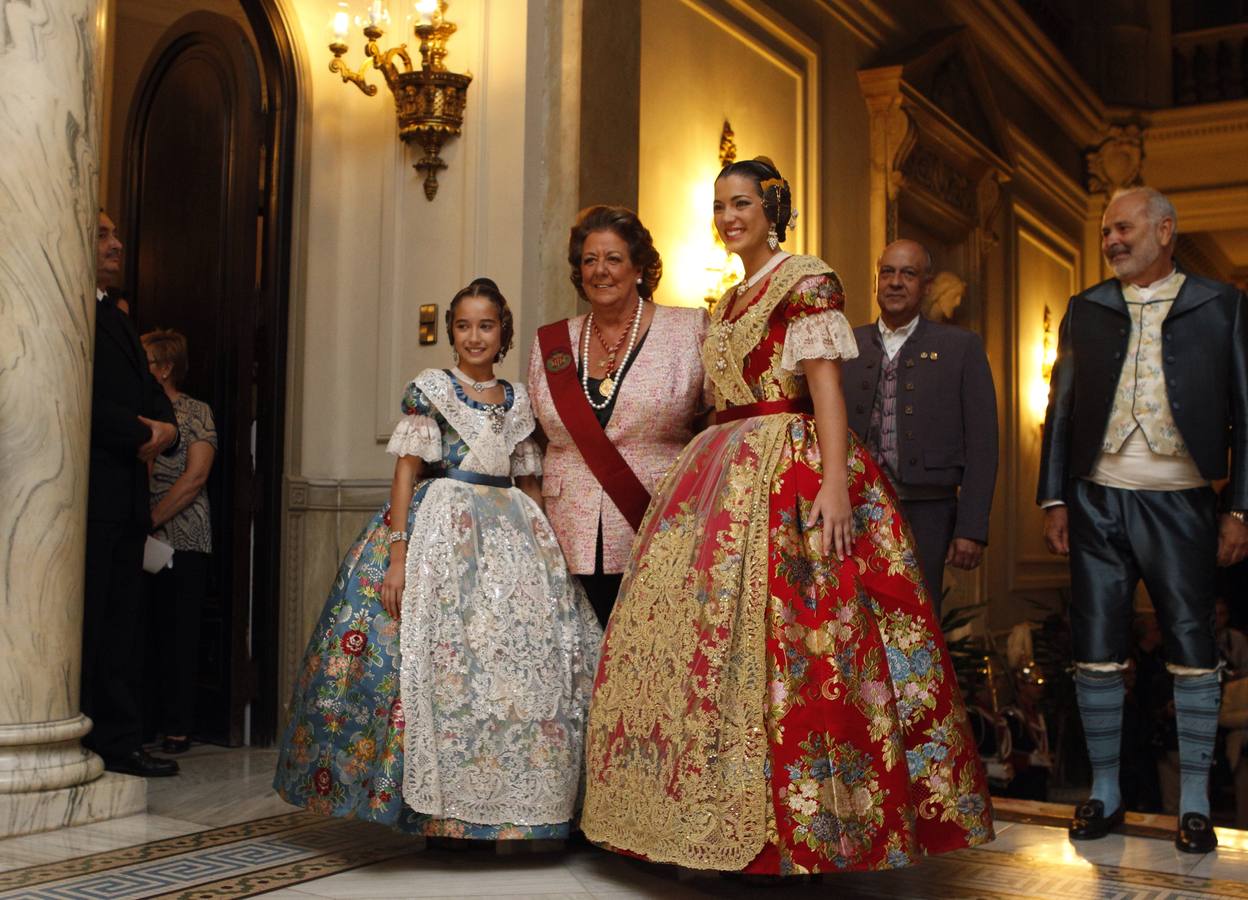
(744, 285)
(609, 385)
(477, 386)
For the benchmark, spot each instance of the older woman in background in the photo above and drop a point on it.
(616, 392)
(180, 518)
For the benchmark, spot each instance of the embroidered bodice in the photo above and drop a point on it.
(445, 427)
(797, 315)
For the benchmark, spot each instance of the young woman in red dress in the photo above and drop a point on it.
(774, 694)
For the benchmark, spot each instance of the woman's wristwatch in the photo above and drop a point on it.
(396, 536)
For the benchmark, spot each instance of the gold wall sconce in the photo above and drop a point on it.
(1046, 354)
(1049, 350)
(429, 101)
(428, 323)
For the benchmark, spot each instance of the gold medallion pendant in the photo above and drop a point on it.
(606, 386)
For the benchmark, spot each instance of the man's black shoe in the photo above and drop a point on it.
(1090, 821)
(141, 763)
(1195, 834)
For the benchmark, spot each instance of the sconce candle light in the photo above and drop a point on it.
(429, 101)
(1047, 356)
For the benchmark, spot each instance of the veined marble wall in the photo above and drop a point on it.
(49, 79)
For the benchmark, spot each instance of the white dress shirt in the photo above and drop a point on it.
(893, 339)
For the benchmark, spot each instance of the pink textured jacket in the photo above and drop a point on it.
(652, 421)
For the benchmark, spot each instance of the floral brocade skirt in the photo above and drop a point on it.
(342, 753)
(760, 707)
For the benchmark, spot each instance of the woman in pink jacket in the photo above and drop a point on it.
(616, 392)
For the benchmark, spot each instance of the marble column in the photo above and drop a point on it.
(49, 115)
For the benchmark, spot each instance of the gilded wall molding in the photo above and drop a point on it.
(1009, 37)
(1046, 268)
(1036, 171)
(1199, 124)
(1210, 209)
(870, 22)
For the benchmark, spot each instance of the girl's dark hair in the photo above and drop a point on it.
(485, 287)
(771, 186)
(623, 222)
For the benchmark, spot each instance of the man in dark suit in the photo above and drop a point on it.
(132, 422)
(920, 395)
(1149, 396)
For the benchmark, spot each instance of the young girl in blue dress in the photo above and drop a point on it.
(445, 687)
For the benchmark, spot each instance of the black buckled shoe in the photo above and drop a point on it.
(1195, 834)
(1091, 823)
(142, 764)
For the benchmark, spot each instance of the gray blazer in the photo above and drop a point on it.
(946, 413)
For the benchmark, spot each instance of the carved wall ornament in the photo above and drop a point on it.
(988, 198)
(925, 169)
(1118, 161)
(727, 145)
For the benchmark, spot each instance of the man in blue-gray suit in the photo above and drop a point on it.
(920, 395)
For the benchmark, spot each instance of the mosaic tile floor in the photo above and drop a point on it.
(218, 831)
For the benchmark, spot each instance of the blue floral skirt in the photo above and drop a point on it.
(342, 752)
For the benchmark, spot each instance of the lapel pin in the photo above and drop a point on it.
(923, 355)
(935, 355)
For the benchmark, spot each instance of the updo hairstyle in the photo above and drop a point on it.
(485, 287)
(771, 186)
(622, 222)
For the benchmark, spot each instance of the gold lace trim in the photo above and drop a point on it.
(676, 759)
(727, 343)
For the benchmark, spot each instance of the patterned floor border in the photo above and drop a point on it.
(290, 874)
(196, 867)
(327, 847)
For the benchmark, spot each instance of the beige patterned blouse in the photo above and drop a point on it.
(191, 529)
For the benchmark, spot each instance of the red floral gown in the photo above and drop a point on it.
(759, 706)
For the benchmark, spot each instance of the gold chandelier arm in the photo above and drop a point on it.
(385, 63)
(357, 78)
(401, 52)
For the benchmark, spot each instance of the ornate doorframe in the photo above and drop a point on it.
(940, 155)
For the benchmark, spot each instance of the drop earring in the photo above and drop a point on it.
(773, 239)
(454, 357)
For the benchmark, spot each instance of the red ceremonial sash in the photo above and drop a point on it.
(604, 460)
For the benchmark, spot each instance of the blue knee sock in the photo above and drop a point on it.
(1100, 707)
(1196, 700)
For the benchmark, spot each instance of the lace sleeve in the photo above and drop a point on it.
(825, 335)
(417, 436)
(526, 459)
